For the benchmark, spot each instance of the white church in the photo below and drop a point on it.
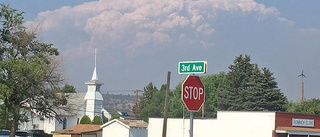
(79, 104)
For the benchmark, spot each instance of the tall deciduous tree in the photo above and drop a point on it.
(152, 102)
(68, 89)
(147, 95)
(155, 107)
(212, 83)
(28, 73)
(247, 88)
(310, 106)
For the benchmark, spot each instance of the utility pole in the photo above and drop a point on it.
(136, 109)
(164, 129)
(203, 111)
(302, 84)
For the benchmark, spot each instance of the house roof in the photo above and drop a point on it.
(301, 129)
(135, 123)
(123, 113)
(74, 102)
(79, 129)
(127, 123)
(298, 131)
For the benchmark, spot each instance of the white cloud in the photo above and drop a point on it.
(288, 22)
(308, 31)
(139, 23)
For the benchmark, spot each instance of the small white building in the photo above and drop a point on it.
(243, 124)
(125, 128)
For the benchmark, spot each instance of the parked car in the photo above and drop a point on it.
(40, 133)
(4, 133)
(30, 133)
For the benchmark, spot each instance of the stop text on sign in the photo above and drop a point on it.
(194, 93)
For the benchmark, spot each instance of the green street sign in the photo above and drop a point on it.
(192, 67)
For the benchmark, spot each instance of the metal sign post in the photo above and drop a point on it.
(193, 95)
(193, 91)
(191, 124)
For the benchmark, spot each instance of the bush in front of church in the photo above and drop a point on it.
(85, 120)
(97, 120)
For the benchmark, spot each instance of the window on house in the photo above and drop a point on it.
(78, 120)
(35, 126)
(64, 123)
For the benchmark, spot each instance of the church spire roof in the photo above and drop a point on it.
(94, 75)
(94, 78)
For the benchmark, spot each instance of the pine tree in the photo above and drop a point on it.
(275, 100)
(237, 79)
(68, 89)
(247, 88)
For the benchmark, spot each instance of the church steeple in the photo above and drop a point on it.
(93, 96)
(94, 75)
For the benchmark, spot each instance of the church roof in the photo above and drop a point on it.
(74, 102)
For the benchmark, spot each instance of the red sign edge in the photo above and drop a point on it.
(204, 99)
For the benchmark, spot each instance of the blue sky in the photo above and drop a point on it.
(139, 41)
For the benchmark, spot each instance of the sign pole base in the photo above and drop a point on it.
(191, 124)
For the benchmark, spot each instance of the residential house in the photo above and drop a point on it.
(80, 130)
(125, 128)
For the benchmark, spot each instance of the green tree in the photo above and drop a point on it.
(115, 117)
(68, 89)
(212, 84)
(176, 107)
(29, 74)
(147, 95)
(247, 88)
(310, 106)
(155, 107)
(237, 79)
(85, 120)
(97, 120)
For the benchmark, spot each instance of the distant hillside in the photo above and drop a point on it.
(119, 101)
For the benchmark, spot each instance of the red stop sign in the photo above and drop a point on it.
(193, 93)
